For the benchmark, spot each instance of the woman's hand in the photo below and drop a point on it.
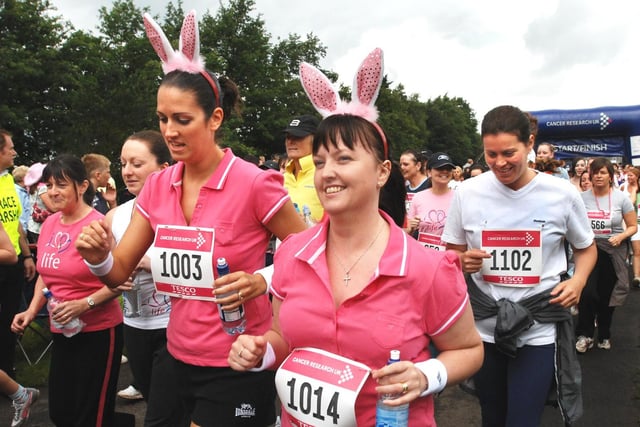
(247, 352)
(472, 259)
(240, 286)
(67, 310)
(94, 242)
(413, 224)
(616, 239)
(110, 195)
(21, 321)
(144, 265)
(125, 286)
(29, 268)
(400, 378)
(567, 293)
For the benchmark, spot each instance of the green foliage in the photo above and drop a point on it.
(34, 341)
(30, 72)
(453, 126)
(63, 90)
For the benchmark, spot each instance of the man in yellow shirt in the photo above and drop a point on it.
(298, 175)
(12, 276)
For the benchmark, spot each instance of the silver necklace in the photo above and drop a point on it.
(347, 276)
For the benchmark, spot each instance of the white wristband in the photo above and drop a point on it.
(268, 359)
(267, 274)
(436, 374)
(103, 268)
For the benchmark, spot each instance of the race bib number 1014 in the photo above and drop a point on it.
(319, 389)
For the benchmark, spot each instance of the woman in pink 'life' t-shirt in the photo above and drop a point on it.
(84, 366)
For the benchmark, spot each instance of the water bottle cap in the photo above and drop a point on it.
(46, 292)
(221, 262)
(394, 355)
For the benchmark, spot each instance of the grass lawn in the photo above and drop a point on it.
(34, 342)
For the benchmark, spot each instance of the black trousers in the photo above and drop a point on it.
(594, 301)
(83, 377)
(11, 286)
(154, 375)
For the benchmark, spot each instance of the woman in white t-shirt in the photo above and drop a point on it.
(509, 227)
(146, 312)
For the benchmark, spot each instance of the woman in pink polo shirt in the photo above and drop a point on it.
(210, 204)
(363, 288)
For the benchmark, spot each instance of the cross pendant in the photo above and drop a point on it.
(346, 279)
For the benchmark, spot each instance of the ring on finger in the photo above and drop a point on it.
(405, 388)
(240, 297)
(240, 353)
(81, 236)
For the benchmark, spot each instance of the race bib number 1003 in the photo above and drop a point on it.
(181, 261)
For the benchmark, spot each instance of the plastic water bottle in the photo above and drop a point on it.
(391, 416)
(307, 216)
(69, 329)
(233, 321)
(133, 302)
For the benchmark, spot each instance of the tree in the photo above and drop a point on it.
(63, 90)
(31, 84)
(403, 118)
(453, 128)
(240, 48)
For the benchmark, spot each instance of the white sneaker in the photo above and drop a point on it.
(583, 344)
(22, 410)
(123, 359)
(605, 344)
(130, 393)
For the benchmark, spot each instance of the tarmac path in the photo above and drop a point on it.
(611, 386)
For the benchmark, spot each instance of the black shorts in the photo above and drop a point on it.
(224, 397)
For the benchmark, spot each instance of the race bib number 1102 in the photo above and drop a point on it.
(516, 257)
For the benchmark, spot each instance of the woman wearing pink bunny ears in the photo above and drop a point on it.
(361, 284)
(210, 204)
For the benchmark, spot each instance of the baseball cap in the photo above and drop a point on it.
(438, 160)
(303, 125)
(270, 164)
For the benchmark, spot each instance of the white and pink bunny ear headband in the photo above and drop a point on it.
(366, 86)
(187, 58)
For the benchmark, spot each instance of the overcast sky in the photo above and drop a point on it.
(547, 54)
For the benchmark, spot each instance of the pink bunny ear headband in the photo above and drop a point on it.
(187, 58)
(366, 86)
